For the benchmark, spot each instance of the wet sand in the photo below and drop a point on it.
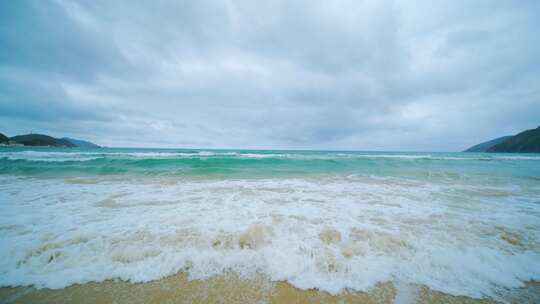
(232, 289)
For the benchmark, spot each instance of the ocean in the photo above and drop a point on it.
(463, 224)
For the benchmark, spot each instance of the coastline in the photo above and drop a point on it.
(234, 289)
(458, 223)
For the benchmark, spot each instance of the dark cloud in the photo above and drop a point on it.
(428, 75)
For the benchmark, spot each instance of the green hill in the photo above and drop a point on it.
(485, 146)
(41, 140)
(525, 142)
(3, 138)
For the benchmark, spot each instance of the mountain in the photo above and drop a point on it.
(483, 147)
(45, 140)
(3, 138)
(81, 143)
(41, 140)
(525, 142)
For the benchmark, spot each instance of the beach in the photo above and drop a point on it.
(230, 226)
(232, 289)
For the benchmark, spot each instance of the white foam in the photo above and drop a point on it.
(444, 157)
(85, 156)
(49, 156)
(325, 232)
(69, 155)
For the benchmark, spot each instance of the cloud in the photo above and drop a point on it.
(376, 75)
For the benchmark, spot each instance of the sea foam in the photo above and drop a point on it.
(328, 232)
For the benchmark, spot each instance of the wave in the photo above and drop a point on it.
(55, 156)
(330, 233)
(84, 156)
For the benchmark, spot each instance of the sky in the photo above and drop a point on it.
(334, 75)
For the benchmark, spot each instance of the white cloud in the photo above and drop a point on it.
(342, 75)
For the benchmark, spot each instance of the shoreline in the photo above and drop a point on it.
(454, 223)
(230, 288)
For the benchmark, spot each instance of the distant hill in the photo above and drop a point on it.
(524, 142)
(81, 143)
(3, 138)
(41, 140)
(483, 147)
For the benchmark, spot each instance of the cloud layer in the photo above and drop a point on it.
(362, 75)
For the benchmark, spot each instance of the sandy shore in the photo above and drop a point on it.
(232, 289)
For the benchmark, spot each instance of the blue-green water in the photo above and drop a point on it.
(460, 223)
(253, 163)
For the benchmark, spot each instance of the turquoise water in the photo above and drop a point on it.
(459, 223)
(253, 163)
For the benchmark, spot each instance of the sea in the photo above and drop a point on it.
(463, 224)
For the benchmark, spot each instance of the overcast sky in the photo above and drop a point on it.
(360, 75)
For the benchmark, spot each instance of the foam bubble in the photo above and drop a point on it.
(325, 232)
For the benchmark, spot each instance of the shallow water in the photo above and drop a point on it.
(233, 289)
(465, 224)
